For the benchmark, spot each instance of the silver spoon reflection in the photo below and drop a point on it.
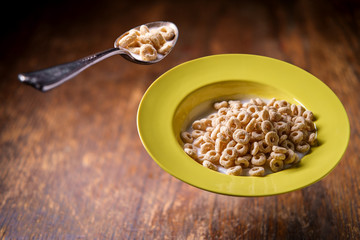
(52, 77)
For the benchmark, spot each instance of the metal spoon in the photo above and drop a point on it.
(52, 77)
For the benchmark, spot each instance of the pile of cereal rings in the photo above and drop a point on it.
(251, 139)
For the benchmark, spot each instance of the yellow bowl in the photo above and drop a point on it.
(178, 95)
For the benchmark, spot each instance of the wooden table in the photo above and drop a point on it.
(72, 165)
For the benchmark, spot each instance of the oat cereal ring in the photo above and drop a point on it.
(271, 138)
(256, 115)
(247, 157)
(241, 136)
(290, 157)
(226, 131)
(223, 137)
(298, 126)
(283, 138)
(252, 109)
(189, 145)
(148, 52)
(254, 148)
(302, 147)
(296, 136)
(220, 145)
(207, 138)
(206, 122)
(258, 126)
(294, 110)
(191, 152)
(278, 149)
(167, 32)
(277, 117)
(235, 171)
(243, 161)
(218, 105)
(209, 129)
(299, 119)
(232, 143)
(127, 39)
(198, 141)
(135, 50)
(226, 163)
(209, 165)
(251, 125)
(200, 158)
(144, 29)
(257, 136)
(242, 149)
(212, 116)
(244, 117)
(282, 126)
(212, 156)
(252, 101)
(233, 123)
(267, 126)
(258, 159)
(281, 103)
(312, 139)
(276, 165)
(165, 48)
(266, 107)
(137, 32)
(229, 153)
(223, 111)
(214, 132)
(284, 110)
(219, 120)
(257, 171)
(301, 110)
(271, 102)
(309, 125)
(199, 125)
(288, 144)
(157, 39)
(286, 118)
(232, 113)
(235, 104)
(205, 147)
(274, 116)
(197, 133)
(186, 137)
(308, 115)
(278, 156)
(282, 132)
(259, 102)
(264, 115)
(264, 147)
(144, 39)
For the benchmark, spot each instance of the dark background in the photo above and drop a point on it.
(71, 162)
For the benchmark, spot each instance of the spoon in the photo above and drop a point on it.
(52, 77)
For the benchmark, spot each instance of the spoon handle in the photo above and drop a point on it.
(49, 78)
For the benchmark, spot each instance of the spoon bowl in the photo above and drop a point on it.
(135, 57)
(52, 77)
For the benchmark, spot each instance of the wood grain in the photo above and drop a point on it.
(71, 162)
